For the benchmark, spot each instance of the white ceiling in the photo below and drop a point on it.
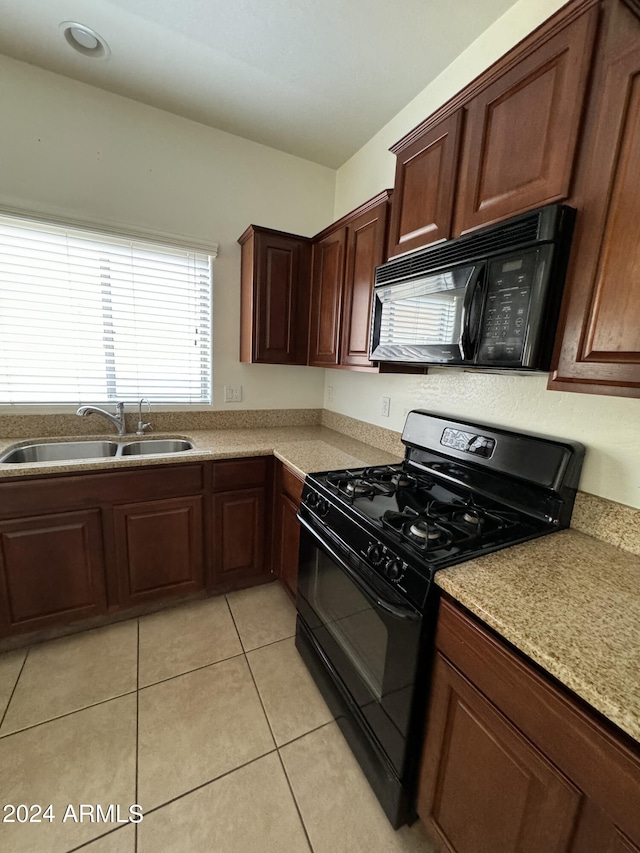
(316, 78)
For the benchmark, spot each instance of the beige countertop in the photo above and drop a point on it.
(303, 448)
(572, 604)
(568, 601)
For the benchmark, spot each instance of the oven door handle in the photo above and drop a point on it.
(407, 614)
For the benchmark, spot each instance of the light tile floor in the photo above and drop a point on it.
(204, 715)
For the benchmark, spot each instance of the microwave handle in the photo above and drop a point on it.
(470, 328)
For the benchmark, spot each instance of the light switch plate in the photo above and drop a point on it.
(233, 393)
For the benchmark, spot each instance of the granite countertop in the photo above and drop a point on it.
(302, 448)
(571, 603)
(568, 601)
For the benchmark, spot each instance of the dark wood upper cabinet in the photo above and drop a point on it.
(275, 285)
(513, 763)
(366, 240)
(425, 183)
(326, 298)
(345, 256)
(521, 130)
(598, 344)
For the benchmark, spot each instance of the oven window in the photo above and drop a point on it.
(424, 312)
(353, 623)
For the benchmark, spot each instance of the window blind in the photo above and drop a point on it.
(91, 317)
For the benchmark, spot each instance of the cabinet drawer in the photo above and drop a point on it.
(240, 473)
(35, 495)
(291, 484)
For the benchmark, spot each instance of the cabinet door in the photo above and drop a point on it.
(365, 251)
(596, 833)
(484, 788)
(598, 345)
(276, 269)
(326, 299)
(239, 540)
(425, 183)
(287, 545)
(159, 548)
(51, 570)
(521, 131)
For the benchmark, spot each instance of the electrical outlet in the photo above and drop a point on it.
(329, 393)
(233, 393)
(386, 405)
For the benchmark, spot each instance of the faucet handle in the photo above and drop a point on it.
(143, 427)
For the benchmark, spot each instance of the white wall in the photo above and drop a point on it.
(608, 426)
(71, 150)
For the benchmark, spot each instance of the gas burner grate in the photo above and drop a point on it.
(443, 525)
(370, 482)
(471, 517)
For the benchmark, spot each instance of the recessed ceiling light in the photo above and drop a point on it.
(85, 40)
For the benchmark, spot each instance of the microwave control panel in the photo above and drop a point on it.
(505, 318)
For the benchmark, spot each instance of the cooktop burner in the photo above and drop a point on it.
(373, 482)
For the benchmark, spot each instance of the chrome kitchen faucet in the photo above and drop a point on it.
(117, 420)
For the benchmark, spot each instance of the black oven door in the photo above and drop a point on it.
(367, 633)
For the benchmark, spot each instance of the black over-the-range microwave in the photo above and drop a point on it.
(488, 300)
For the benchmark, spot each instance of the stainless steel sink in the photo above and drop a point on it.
(156, 445)
(58, 451)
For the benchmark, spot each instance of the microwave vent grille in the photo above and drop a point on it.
(494, 241)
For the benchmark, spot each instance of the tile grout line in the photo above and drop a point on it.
(111, 698)
(188, 671)
(264, 710)
(310, 732)
(295, 800)
(209, 782)
(277, 748)
(6, 710)
(86, 844)
(271, 643)
(235, 626)
(67, 714)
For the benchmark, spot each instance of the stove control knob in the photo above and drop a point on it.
(312, 500)
(393, 569)
(322, 507)
(375, 554)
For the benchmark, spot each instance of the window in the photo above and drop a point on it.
(86, 316)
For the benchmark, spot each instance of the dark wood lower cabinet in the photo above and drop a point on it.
(51, 570)
(289, 545)
(513, 763)
(89, 545)
(241, 522)
(491, 791)
(286, 536)
(159, 548)
(239, 553)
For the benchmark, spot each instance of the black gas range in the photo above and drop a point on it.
(372, 540)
